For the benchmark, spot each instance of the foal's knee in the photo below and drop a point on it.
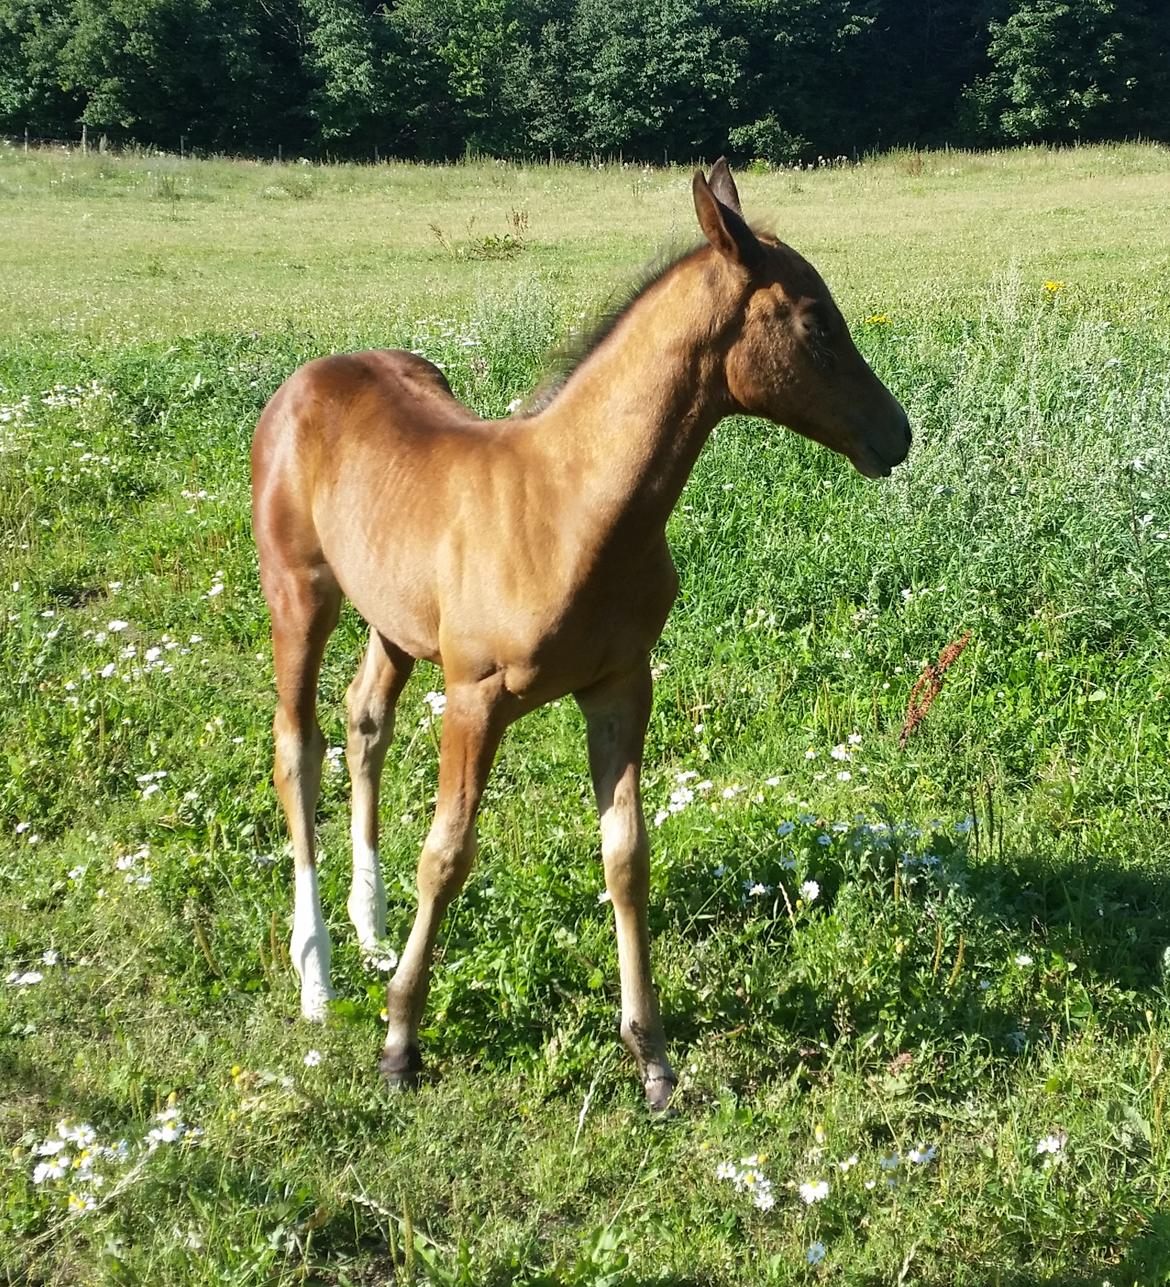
(627, 868)
(444, 865)
(299, 746)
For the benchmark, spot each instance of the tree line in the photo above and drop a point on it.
(654, 80)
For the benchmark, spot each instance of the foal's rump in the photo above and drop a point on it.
(357, 466)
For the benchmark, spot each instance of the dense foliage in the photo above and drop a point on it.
(780, 80)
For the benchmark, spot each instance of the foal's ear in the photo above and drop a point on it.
(723, 185)
(723, 227)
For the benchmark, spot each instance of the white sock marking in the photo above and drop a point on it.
(367, 896)
(309, 947)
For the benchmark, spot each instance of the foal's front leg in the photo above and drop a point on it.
(473, 723)
(616, 713)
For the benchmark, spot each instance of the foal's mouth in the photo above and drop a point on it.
(869, 464)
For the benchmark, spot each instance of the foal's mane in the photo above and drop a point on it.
(581, 344)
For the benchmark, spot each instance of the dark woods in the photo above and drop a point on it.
(654, 80)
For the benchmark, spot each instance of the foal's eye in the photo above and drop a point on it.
(819, 341)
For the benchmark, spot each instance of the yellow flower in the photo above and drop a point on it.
(1051, 288)
(878, 319)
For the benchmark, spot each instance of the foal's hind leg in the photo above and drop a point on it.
(473, 724)
(371, 700)
(304, 603)
(616, 713)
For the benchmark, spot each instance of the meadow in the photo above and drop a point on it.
(919, 994)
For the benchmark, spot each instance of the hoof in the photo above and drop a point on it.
(315, 1003)
(660, 1096)
(402, 1071)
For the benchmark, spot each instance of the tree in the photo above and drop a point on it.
(1068, 69)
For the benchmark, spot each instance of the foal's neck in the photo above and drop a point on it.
(629, 424)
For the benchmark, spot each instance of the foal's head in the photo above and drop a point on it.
(791, 358)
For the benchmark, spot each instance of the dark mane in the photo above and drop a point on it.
(567, 357)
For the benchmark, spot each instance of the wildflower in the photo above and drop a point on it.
(889, 1163)
(437, 702)
(680, 799)
(922, 1154)
(1053, 288)
(771, 782)
(764, 1199)
(312, 1058)
(167, 1133)
(823, 839)
(848, 1163)
(50, 1147)
(786, 828)
(80, 1133)
(815, 1253)
(729, 793)
(816, 1191)
(841, 752)
(116, 627)
(854, 739)
(810, 891)
(26, 980)
(82, 1202)
(1052, 1145)
(725, 1171)
(810, 754)
(54, 1169)
(759, 890)
(878, 319)
(1023, 959)
(844, 776)
(661, 816)
(687, 775)
(605, 896)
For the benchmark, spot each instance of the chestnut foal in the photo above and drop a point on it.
(528, 557)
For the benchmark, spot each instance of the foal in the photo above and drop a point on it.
(528, 557)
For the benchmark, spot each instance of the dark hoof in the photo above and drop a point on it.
(660, 1096)
(402, 1070)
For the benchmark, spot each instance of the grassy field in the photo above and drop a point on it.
(948, 1060)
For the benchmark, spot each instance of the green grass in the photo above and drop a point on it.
(977, 988)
